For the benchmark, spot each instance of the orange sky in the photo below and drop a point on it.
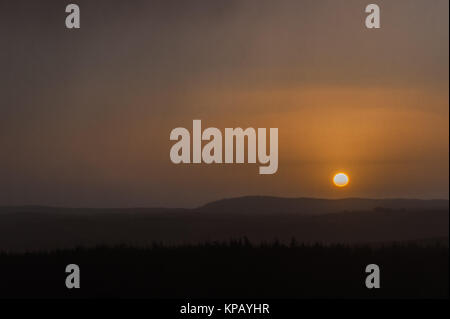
(86, 115)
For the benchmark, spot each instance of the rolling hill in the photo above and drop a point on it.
(259, 219)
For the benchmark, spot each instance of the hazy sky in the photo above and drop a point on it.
(85, 115)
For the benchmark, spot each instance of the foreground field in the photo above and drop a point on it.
(234, 269)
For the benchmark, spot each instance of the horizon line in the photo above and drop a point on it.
(218, 200)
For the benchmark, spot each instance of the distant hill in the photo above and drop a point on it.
(259, 219)
(274, 205)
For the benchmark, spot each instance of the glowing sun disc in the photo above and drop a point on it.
(340, 179)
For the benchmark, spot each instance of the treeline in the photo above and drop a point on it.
(233, 269)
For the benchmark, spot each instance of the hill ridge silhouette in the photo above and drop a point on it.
(258, 218)
(275, 204)
(437, 203)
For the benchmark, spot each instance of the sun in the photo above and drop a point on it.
(341, 179)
